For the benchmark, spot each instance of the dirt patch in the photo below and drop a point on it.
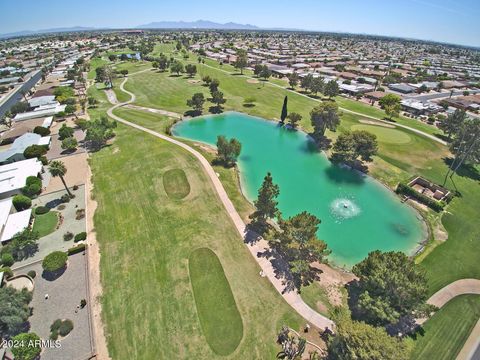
(252, 81)
(193, 81)
(333, 280)
(76, 172)
(376, 123)
(205, 147)
(95, 285)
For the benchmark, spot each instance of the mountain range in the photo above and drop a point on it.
(199, 24)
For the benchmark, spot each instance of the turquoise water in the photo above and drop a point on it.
(358, 214)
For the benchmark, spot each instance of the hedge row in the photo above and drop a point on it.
(77, 249)
(407, 190)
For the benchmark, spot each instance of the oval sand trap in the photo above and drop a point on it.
(384, 134)
(176, 184)
(216, 308)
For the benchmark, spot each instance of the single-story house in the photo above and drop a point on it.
(420, 107)
(15, 152)
(39, 113)
(12, 222)
(14, 175)
(42, 101)
(375, 95)
(402, 88)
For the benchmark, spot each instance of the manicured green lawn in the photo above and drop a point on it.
(221, 322)
(176, 184)
(397, 161)
(94, 63)
(146, 239)
(448, 329)
(384, 134)
(46, 223)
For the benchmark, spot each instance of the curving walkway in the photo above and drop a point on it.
(292, 297)
(456, 288)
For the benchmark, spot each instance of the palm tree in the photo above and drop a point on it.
(57, 168)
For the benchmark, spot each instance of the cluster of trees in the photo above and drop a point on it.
(294, 239)
(216, 97)
(23, 244)
(352, 145)
(324, 116)
(99, 131)
(105, 74)
(316, 85)
(161, 63)
(242, 60)
(14, 311)
(391, 291)
(228, 151)
(69, 143)
(391, 103)
(262, 71)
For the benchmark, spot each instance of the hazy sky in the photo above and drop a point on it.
(454, 21)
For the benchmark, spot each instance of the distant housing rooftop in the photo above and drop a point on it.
(403, 88)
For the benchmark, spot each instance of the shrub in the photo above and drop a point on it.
(42, 131)
(26, 346)
(77, 249)
(32, 190)
(75, 187)
(31, 180)
(65, 327)
(21, 202)
(65, 132)
(407, 190)
(80, 236)
(32, 274)
(34, 151)
(7, 259)
(43, 159)
(80, 214)
(65, 198)
(7, 272)
(61, 207)
(68, 236)
(83, 303)
(40, 210)
(54, 261)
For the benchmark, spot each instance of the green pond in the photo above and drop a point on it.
(358, 213)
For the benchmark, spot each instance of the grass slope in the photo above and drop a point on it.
(221, 322)
(448, 329)
(146, 239)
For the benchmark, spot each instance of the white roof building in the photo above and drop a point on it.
(39, 113)
(13, 176)
(12, 223)
(42, 101)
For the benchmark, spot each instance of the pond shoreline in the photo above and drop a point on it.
(426, 234)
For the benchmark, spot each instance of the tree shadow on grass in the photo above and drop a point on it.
(192, 113)
(215, 109)
(466, 170)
